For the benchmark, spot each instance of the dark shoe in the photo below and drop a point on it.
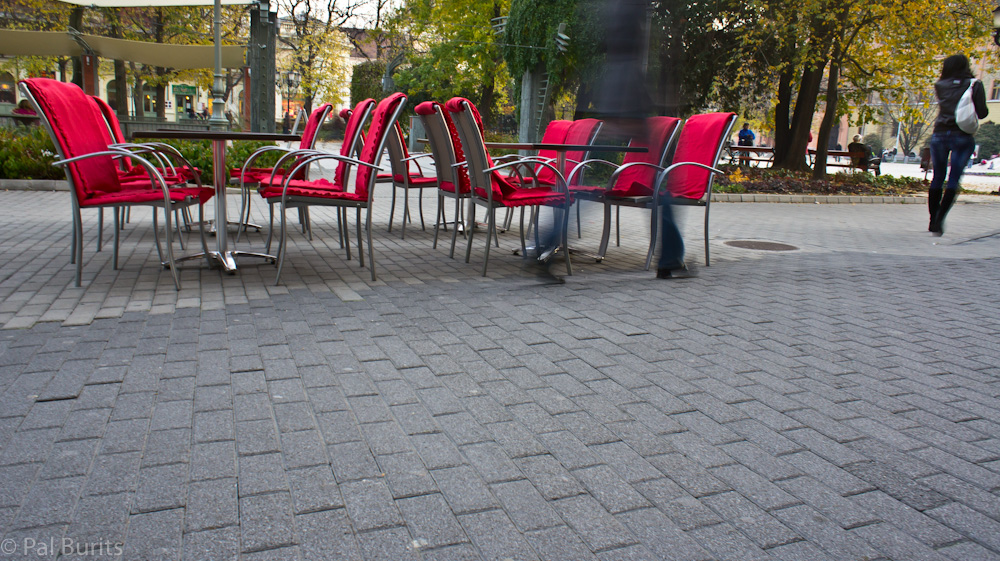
(946, 203)
(543, 270)
(683, 272)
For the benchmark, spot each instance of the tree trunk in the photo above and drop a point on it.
(781, 110)
(161, 94)
(121, 87)
(76, 22)
(486, 101)
(829, 116)
(137, 97)
(798, 133)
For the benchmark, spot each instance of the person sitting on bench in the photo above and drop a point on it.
(857, 147)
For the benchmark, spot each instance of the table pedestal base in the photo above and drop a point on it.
(226, 260)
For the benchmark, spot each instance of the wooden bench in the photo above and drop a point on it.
(874, 164)
(754, 154)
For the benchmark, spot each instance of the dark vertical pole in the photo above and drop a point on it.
(260, 60)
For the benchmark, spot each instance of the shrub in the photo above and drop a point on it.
(28, 154)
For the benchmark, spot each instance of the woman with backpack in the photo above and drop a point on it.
(953, 134)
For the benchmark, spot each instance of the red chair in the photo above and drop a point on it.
(75, 125)
(492, 190)
(402, 178)
(301, 193)
(248, 175)
(689, 178)
(632, 183)
(452, 179)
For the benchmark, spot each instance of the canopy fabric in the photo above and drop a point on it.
(178, 57)
(148, 3)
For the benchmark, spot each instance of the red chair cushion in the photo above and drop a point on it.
(350, 131)
(345, 113)
(699, 142)
(140, 195)
(310, 189)
(269, 187)
(78, 128)
(638, 181)
(580, 132)
(555, 133)
(373, 140)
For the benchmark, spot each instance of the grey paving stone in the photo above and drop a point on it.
(828, 503)
(222, 544)
(256, 437)
(694, 478)
(437, 451)
(548, 476)
(970, 523)
(897, 485)
(264, 473)
(727, 543)
(558, 543)
(213, 426)
(15, 482)
(69, 459)
(211, 504)
(266, 522)
(491, 462)
(406, 475)
(352, 461)
(29, 446)
(49, 502)
(303, 449)
(613, 492)
(525, 505)
(125, 436)
(657, 533)
(755, 523)
(370, 505)
(896, 544)
(167, 447)
(599, 529)
(431, 521)
(161, 488)
(213, 460)
(314, 489)
(100, 520)
(464, 490)
(155, 535)
(828, 536)
(495, 536)
(326, 535)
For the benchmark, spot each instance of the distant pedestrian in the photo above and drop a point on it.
(949, 139)
(745, 138)
(861, 153)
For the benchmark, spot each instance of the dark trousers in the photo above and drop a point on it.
(671, 242)
(959, 146)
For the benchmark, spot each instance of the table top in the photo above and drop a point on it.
(566, 147)
(751, 148)
(216, 135)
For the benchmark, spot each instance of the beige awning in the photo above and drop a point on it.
(178, 57)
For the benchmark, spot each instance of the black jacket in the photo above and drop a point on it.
(949, 91)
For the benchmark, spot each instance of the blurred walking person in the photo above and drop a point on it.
(949, 139)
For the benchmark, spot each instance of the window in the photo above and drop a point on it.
(7, 94)
(112, 97)
(995, 93)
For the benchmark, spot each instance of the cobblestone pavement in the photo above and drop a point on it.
(840, 401)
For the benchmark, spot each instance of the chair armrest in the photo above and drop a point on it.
(151, 170)
(586, 164)
(671, 167)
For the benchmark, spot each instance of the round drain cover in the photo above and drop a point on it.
(761, 245)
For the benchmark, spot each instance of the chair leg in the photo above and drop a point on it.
(524, 247)
(114, 253)
(72, 244)
(654, 226)
(471, 229)
(282, 239)
(564, 238)
(156, 233)
(100, 228)
(454, 229)
(361, 246)
(78, 245)
(406, 212)
(606, 234)
(618, 226)
(177, 224)
(706, 236)
(347, 231)
(392, 208)
(270, 227)
(371, 246)
(170, 244)
(201, 233)
(307, 223)
(437, 221)
(420, 209)
(340, 227)
(491, 230)
(578, 233)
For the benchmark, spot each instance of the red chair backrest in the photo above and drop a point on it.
(311, 132)
(462, 173)
(555, 133)
(351, 131)
(701, 141)
(638, 181)
(382, 118)
(77, 128)
(580, 132)
(500, 185)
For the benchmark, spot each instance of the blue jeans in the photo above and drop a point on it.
(960, 146)
(671, 242)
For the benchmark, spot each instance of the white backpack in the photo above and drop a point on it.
(965, 113)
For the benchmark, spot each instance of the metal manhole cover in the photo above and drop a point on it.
(761, 246)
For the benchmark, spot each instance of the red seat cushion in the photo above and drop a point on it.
(139, 195)
(637, 181)
(308, 189)
(323, 184)
(699, 142)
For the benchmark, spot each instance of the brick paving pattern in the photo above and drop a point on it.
(837, 402)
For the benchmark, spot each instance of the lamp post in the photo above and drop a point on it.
(996, 26)
(292, 81)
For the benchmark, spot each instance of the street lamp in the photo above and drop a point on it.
(996, 26)
(292, 81)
